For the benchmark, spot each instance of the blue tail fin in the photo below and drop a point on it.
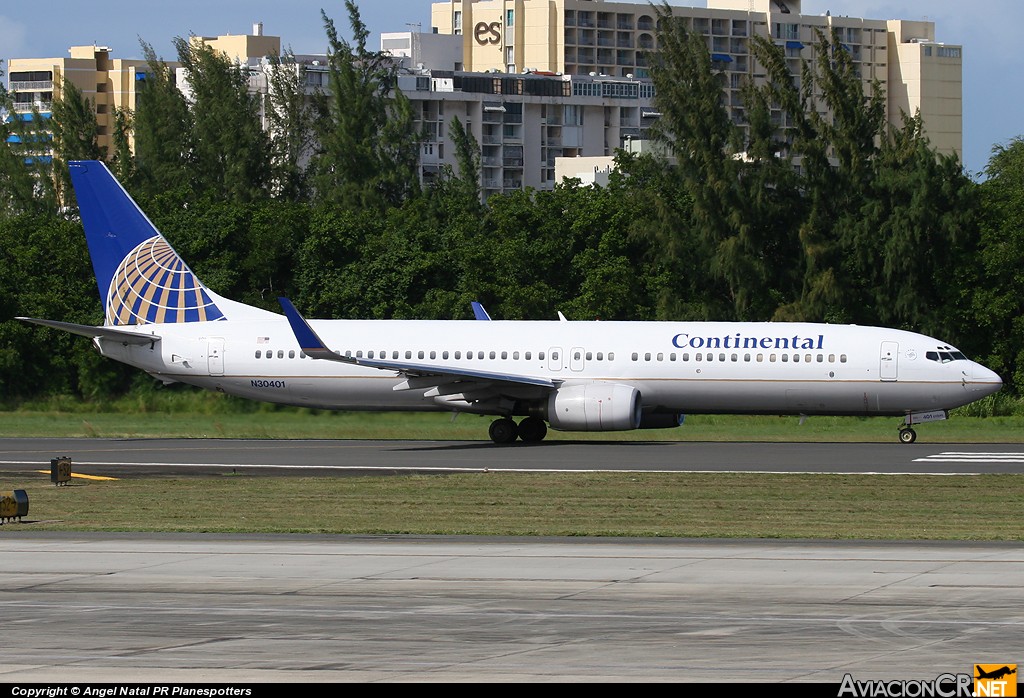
(141, 279)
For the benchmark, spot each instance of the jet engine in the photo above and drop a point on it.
(594, 407)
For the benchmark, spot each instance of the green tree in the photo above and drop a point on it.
(291, 119)
(467, 158)
(917, 228)
(835, 131)
(366, 127)
(998, 296)
(741, 194)
(45, 273)
(123, 159)
(75, 131)
(163, 128)
(230, 148)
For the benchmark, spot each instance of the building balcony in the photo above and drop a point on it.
(31, 86)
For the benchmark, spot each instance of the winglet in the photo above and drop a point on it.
(309, 341)
(479, 312)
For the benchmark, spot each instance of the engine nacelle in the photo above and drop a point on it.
(660, 420)
(595, 407)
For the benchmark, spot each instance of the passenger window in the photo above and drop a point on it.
(394, 354)
(280, 353)
(494, 355)
(760, 358)
(504, 355)
(636, 356)
(735, 358)
(600, 356)
(611, 356)
(796, 358)
(540, 356)
(785, 358)
(698, 357)
(528, 355)
(419, 355)
(807, 358)
(444, 355)
(408, 354)
(458, 355)
(661, 357)
(821, 358)
(842, 358)
(359, 354)
(647, 356)
(291, 353)
(589, 356)
(746, 357)
(710, 356)
(686, 356)
(259, 353)
(433, 355)
(515, 356)
(831, 358)
(771, 358)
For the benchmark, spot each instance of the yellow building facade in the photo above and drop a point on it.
(108, 83)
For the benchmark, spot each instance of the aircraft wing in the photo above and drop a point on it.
(419, 375)
(90, 331)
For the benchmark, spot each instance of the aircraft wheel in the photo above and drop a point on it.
(503, 431)
(533, 430)
(908, 436)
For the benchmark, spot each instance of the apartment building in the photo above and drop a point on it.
(584, 37)
(108, 83)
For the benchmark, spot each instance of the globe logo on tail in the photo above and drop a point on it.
(153, 285)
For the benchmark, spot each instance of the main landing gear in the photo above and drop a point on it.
(907, 435)
(505, 431)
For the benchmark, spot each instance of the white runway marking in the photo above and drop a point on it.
(962, 457)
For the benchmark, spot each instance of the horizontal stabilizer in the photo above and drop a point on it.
(91, 331)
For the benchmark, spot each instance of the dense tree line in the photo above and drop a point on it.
(841, 220)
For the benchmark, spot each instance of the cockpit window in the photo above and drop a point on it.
(944, 357)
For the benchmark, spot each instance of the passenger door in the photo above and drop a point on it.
(889, 356)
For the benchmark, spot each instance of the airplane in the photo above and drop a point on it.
(574, 376)
(995, 674)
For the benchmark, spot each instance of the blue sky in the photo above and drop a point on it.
(988, 30)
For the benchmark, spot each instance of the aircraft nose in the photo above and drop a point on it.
(985, 380)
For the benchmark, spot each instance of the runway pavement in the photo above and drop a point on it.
(307, 609)
(183, 457)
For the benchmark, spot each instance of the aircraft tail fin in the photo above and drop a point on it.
(141, 279)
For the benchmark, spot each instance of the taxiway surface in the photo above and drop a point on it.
(305, 609)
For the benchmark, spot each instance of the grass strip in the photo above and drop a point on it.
(982, 507)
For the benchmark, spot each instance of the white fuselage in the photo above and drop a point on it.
(769, 368)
